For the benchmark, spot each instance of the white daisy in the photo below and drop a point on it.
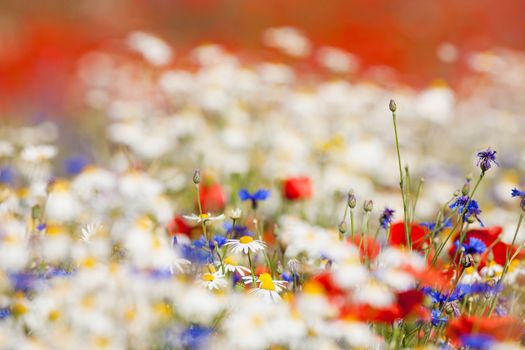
(268, 289)
(214, 280)
(203, 217)
(230, 265)
(245, 244)
(470, 276)
(491, 270)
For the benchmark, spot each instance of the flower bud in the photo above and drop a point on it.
(368, 205)
(467, 260)
(471, 219)
(36, 212)
(342, 227)
(197, 177)
(392, 106)
(294, 266)
(465, 190)
(456, 193)
(352, 202)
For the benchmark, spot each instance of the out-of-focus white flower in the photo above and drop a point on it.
(6, 149)
(350, 274)
(290, 40)
(61, 204)
(38, 153)
(152, 48)
(436, 104)
(374, 293)
(337, 60)
(447, 52)
(356, 334)
(55, 244)
(214, 280)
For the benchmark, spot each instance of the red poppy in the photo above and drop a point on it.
(330, 287)
(179, 225)
(418, 235)
(297, 188)
(501, 328)
(368, 248)
(408, 302)
(213, 197)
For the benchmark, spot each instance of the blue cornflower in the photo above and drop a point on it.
(437, 318)
(386, 217)
(56, 272)
(24, 281)
(439, 298)
(194, 337)
(477, 341)
(517, 193)
(196, 253)
(431, 226)
(473, 210)
(468, 207)
(485, 158)
(7, 175)
(5, 313)
(479, 288)
(236, 231)
(74, 165)
(460, 203)
(219, 240)
(474, 246)
(259, 195)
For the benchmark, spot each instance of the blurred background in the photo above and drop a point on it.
(259, 91)
(415, 41)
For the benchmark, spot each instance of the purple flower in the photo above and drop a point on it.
(486, 158)
(386, 217)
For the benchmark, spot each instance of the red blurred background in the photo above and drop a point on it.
(41, 40)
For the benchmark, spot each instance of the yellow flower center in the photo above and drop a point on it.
(246, 239)
(230, 261)
(208, 277)
(204, 216)
(266, 281)
(469, 270)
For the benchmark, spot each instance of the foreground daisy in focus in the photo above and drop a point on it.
(245, 244)
(268, 288)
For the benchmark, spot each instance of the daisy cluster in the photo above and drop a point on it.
(129, 247)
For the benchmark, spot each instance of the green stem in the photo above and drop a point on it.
(401, 185)
(352, 222)
(460, 219)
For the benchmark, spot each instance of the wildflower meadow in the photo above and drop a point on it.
(226, 202)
